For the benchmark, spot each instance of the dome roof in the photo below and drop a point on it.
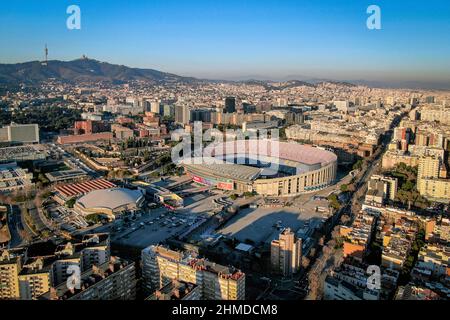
(110, 198)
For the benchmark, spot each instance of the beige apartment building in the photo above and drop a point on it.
(285, 253)
(9, 271)
(388, 185)
(429, 167)
(393, 158)
(34, 279)
(432, 179)
(112, 280)
(27, 278)
(435, 189)
(440, 114)
(160, 266)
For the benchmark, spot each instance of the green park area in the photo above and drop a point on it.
(407, 193)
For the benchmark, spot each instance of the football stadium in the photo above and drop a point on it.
(265, 167)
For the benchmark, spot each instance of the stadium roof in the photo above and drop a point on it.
(305, 154)
(75, 189)
(226, 170)
(110, 198)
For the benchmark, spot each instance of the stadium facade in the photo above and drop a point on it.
(289, 169)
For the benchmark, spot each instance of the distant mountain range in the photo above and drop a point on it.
(81, 70)
(90, 70)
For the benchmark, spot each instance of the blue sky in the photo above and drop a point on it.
(239, 38)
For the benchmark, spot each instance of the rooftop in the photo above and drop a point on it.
(110, 198)
(301, 153)
(175, 290)
(230, 171)
(72, 190)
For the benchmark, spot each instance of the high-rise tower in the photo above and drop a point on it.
(230, 104)
(285, 253)
(44, 63)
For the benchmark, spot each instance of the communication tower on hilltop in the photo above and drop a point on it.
(44, 63)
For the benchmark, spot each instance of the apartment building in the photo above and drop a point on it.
(285, 253)
(357, 237)
(435, 113)
(436, 190)
(394, 157)
(182, 114)
(416, 292)
(10, 264)
(221, 118)
(380, 189)
(121, 132)
(432, 179)
(27, 277)
(440, 232)
(177, 290)
(429, 167)
(35, 278)
(397, 241)
(348, 283)
(351, 280)
(434, 260)
(327, 133)
(161, 265)
(112, 280)
(89, 127)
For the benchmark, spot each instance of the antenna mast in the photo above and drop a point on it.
(46, 56)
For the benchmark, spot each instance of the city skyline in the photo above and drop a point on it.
(263, 153)
(301, 41)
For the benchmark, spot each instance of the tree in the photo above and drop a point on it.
(282, 134)
(49, 118)
(46, 194)
(334, 202)
(322, 241)
(345, 219)
(358, 165)
(93, 218)
(305, 262)
(24, 235)
(408, 186)
(313, 288)
(249, 194)
(45, 233)
(70, 203)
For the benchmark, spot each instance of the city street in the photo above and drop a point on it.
(15, 226)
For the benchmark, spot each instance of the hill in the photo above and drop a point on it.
(81, 70)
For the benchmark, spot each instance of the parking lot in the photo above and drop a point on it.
(259, 224)
(152, 227)
(155, 225)
(202, 203)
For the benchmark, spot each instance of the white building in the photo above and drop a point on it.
(24, 133)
